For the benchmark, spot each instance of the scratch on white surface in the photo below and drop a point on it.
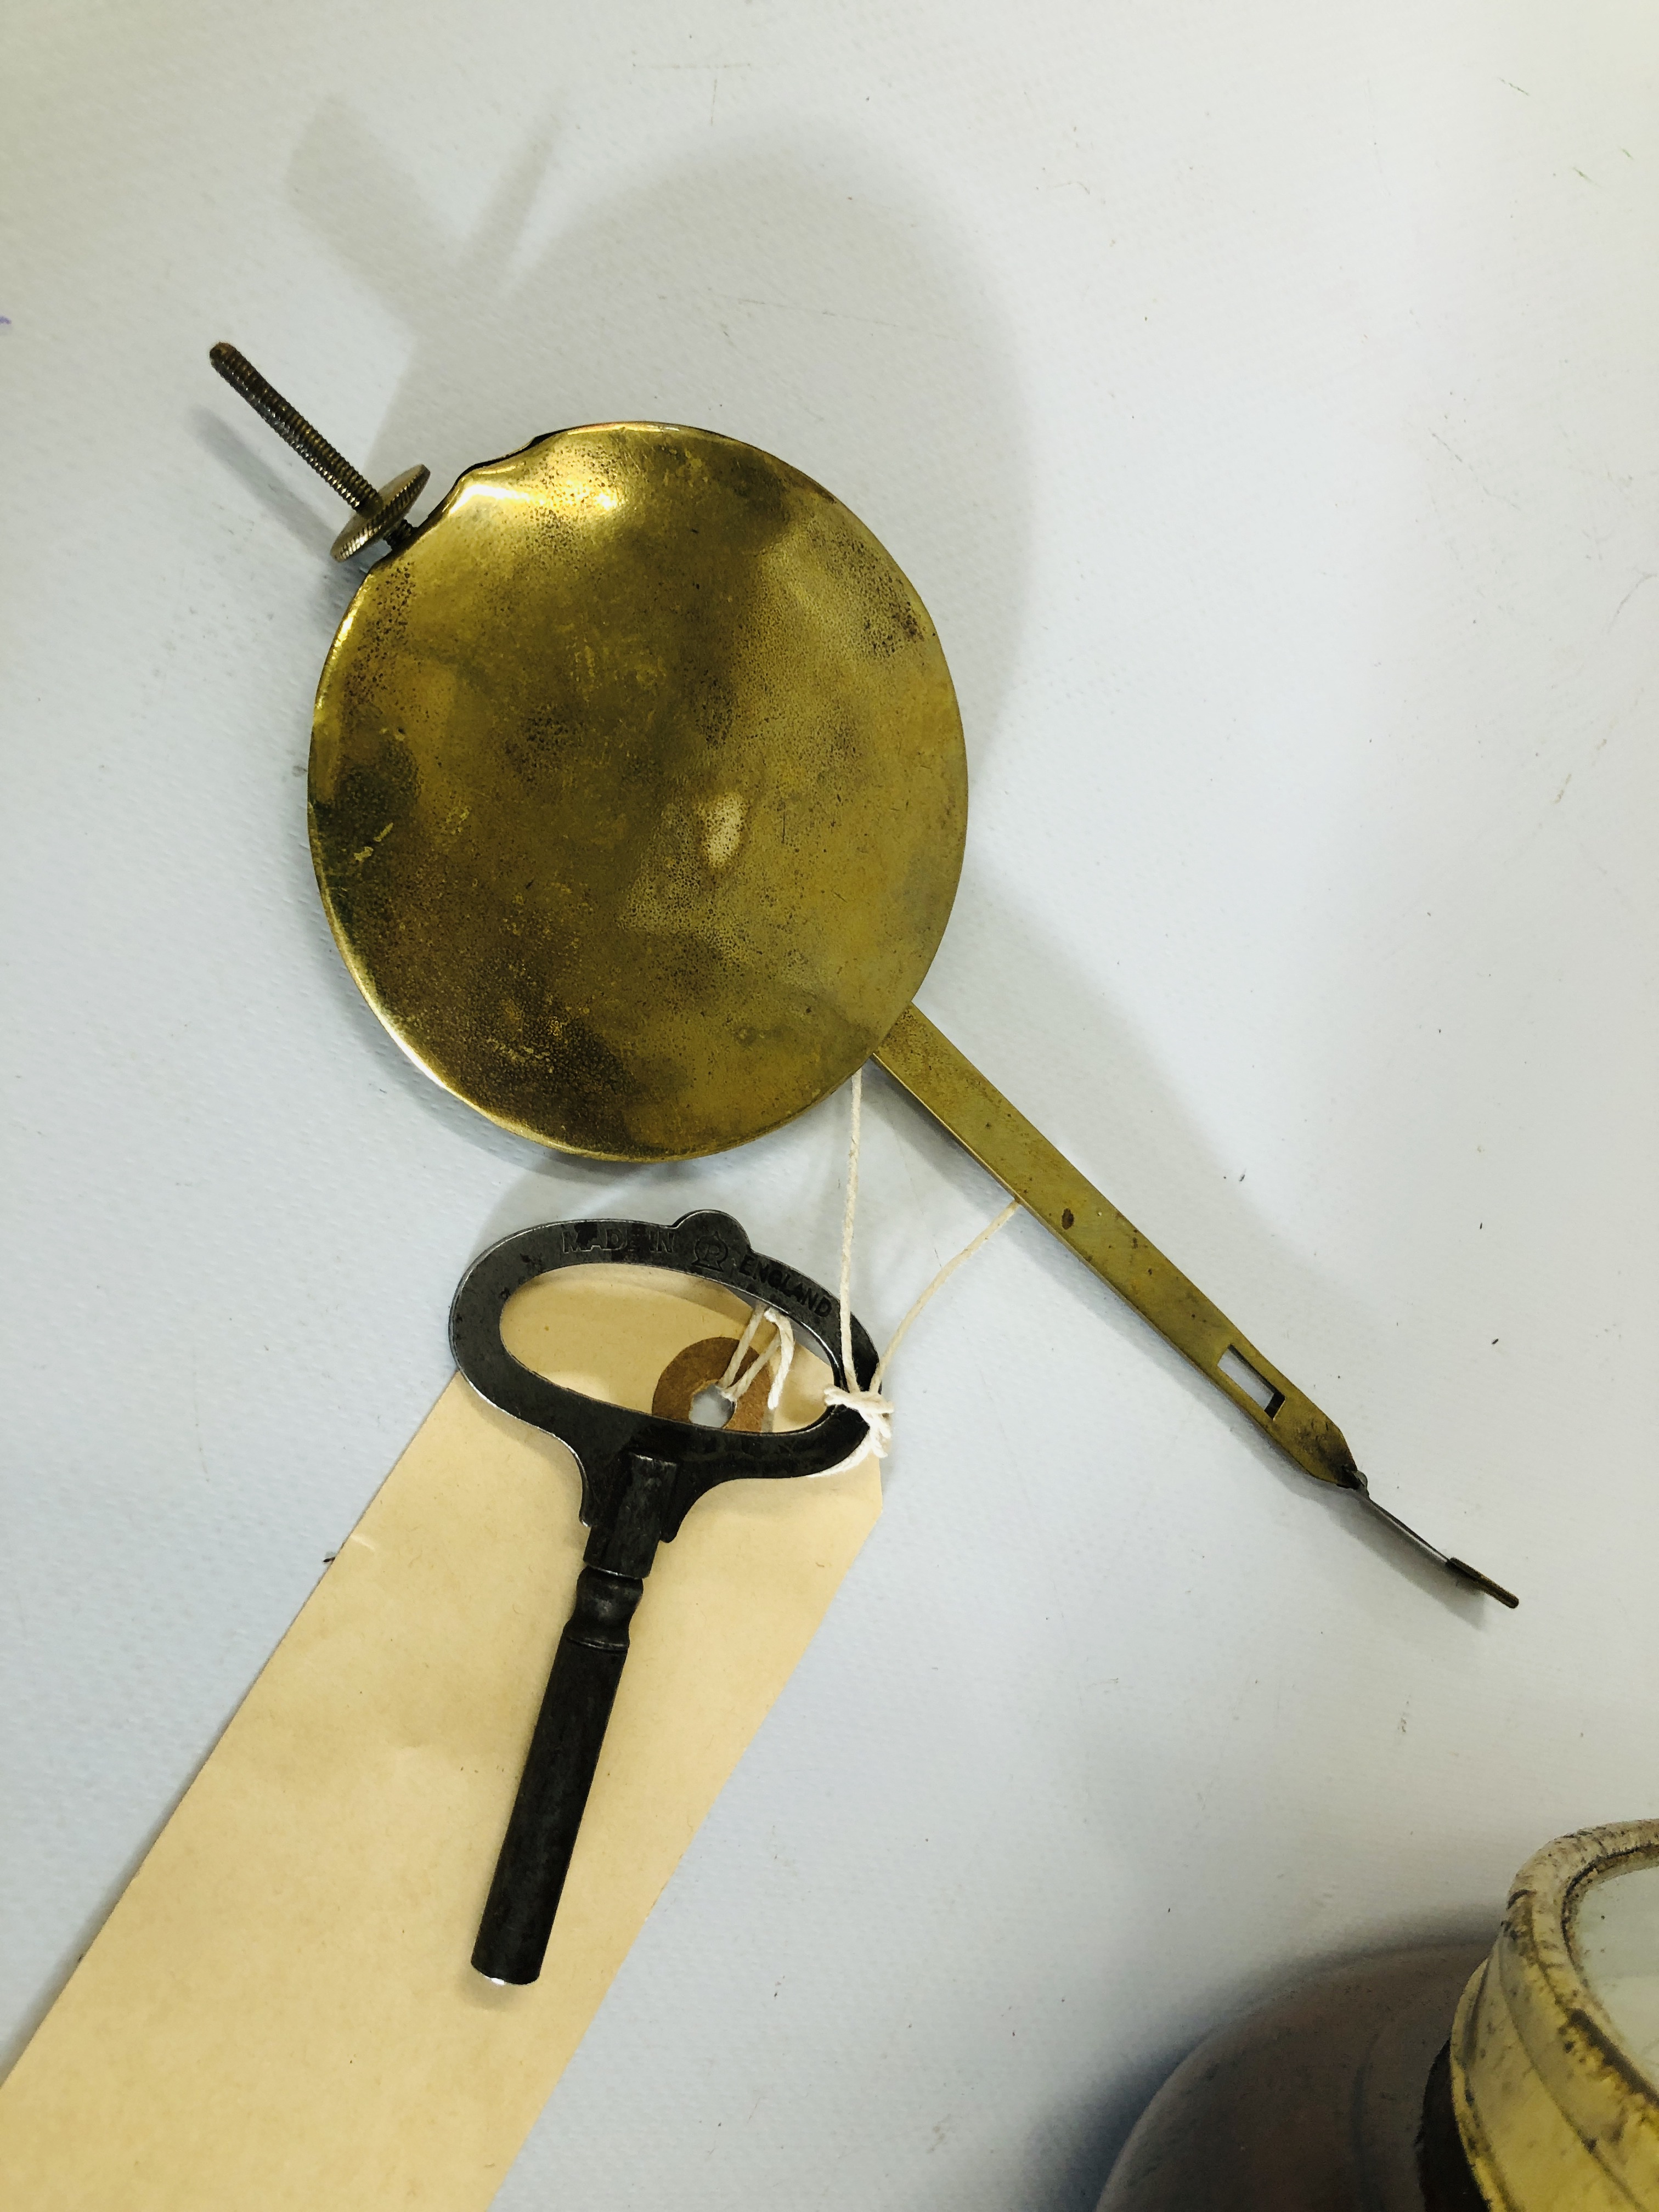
(1512, 505)
(824, 315)
(196, 1414)
(1646, 577)
(1377, 150)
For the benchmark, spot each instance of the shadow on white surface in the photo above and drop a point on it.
(249, 460)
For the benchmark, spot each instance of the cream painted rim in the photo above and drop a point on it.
(1554, 2115)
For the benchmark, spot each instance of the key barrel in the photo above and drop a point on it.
(564, 1751)
(564, 1757)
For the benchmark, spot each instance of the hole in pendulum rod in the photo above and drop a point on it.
(1240, 1373)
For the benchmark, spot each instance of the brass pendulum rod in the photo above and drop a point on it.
(929, 1067)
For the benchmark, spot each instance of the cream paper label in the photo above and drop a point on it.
(279, 2016)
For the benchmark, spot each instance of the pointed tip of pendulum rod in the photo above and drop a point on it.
(1460, 1568)
(937, 1076)
(374, 513)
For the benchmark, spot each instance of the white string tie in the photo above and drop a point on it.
(876, 1410)
(779, 1356)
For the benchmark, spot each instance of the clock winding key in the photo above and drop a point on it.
(641, 1473)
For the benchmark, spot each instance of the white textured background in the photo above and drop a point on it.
(1266, 402)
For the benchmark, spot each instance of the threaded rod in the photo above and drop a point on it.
(336, 471)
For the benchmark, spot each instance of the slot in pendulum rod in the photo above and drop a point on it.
(939, 1078)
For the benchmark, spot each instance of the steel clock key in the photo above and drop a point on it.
(640, 1475)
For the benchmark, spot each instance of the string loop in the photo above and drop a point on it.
(778, 1355)
(876, 1409)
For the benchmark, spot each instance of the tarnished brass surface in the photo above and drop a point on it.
(638, 791)
(1047, 1184)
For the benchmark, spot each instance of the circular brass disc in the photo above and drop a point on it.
(638, 791)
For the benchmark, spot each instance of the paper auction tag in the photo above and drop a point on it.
(279, 2016)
